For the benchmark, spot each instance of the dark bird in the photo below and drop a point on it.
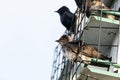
(67, 18)
(70, 49)
(84, 6)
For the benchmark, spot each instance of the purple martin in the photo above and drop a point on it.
(84, 6)
(67, 18)
(98, 4)
(70, 49)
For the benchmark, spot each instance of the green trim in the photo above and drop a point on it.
(106, 20)
(105, 62)
(94, 70)
(110, 12)
(116, 65)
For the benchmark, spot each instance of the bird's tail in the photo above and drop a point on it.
(105, 57)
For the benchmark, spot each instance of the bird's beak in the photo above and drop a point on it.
(56, 11)
(57, 41)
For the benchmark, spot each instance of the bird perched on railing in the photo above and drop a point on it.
(88, 6)
(69, 49)
(86, 52)
(67, 18)
(92, 52)
(97, 5)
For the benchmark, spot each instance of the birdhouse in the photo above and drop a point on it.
(100, 31)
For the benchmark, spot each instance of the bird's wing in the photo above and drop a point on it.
(76, 42)
(72, 47)
(70, 15)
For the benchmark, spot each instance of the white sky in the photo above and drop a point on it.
(28, 29)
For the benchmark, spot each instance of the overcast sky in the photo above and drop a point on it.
(28, 29)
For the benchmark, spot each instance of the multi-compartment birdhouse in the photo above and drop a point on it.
(102, 33)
